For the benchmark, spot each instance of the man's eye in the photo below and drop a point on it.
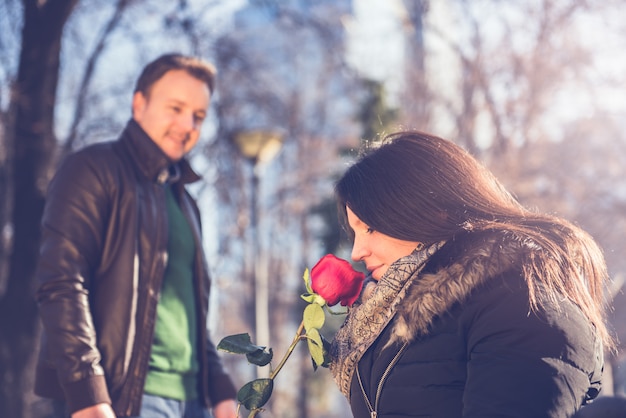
(370, 230)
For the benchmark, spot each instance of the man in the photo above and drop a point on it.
(124, 288)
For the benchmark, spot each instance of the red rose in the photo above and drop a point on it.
(336, 281)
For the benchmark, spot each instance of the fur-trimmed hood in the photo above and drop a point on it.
(462, 265)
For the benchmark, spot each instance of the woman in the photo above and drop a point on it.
(475, 306)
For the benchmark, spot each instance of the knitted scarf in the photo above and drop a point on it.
(368, 318)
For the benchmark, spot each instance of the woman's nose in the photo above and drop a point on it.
(358, 250)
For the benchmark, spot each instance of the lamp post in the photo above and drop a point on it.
(258, 147)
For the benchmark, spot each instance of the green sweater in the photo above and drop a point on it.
(173, 360)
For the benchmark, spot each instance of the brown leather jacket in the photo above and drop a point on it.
(102, 259)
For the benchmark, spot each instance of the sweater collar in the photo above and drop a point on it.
(152, 161)
(369, 316)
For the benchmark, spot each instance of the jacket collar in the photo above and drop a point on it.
(150, 159)
(460, 267)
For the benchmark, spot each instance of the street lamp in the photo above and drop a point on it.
(258, 147)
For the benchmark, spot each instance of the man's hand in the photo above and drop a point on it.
(101, 410)
(225, 409)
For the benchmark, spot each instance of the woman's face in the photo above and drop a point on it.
(377, 250)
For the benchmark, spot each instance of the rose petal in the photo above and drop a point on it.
(336, 281)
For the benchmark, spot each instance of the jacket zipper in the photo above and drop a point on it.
(139, 369)
(379, 389)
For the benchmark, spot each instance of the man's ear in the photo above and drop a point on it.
(139, 103)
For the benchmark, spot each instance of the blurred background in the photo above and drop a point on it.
(535, 89)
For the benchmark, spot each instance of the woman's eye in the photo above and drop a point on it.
(369, 230)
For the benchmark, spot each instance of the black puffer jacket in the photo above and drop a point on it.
(102, 260)
(487, 355)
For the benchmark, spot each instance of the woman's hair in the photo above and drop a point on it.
(418, 187)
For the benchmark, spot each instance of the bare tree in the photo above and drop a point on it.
(513, 60)
(91, 65)
(9, 21)
(284, 70)
(30, 133)
(415, 110)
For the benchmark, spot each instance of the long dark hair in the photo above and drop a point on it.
(418, 187)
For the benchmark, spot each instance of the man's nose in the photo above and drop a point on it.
(187, 122)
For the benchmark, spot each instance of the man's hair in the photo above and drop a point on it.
(195, 67)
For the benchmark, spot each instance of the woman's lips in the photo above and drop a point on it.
(373, 269)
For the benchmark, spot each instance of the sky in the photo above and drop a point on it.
(376, 42)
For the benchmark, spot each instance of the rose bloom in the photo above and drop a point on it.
(336, 281)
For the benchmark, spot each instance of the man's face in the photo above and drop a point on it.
(173, 111)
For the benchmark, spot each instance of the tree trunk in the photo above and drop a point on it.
(32, 141)
(414, 109)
